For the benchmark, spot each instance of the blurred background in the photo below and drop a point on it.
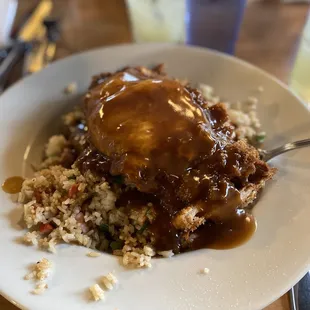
(266, 33)
(271, 34)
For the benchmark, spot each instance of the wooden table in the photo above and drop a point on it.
(269, 38)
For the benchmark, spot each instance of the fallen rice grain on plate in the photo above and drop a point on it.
(40, 288)
(93, 254)
(71, 88)
(40, 271)
(97, 292)
(205, 270)
(109, 280)
(166, 254)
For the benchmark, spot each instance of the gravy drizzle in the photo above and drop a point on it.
(159, 136)
(13, 185)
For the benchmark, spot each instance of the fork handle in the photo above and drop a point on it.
(300, 294)
(8, 63)
(267, 155)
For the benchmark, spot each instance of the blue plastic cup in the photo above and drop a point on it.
(214, 23)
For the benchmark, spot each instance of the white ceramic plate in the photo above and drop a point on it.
(248, 277)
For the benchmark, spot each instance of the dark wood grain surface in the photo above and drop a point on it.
(269, 39)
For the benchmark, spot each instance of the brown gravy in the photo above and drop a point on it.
(161, 137)
(228, 234)
(13, 185)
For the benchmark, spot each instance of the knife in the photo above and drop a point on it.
(300, 294)
(31, 30)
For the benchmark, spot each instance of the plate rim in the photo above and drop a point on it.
(232, 58)
(163, 45)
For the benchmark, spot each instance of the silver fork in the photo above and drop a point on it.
(300, 293)
(266, 155)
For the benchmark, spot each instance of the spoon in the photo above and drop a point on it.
(266, 155)
(300, 293)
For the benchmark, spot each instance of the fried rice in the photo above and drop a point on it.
(63, 205)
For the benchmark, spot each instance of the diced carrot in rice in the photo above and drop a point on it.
(46, 228)
(73, 190)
